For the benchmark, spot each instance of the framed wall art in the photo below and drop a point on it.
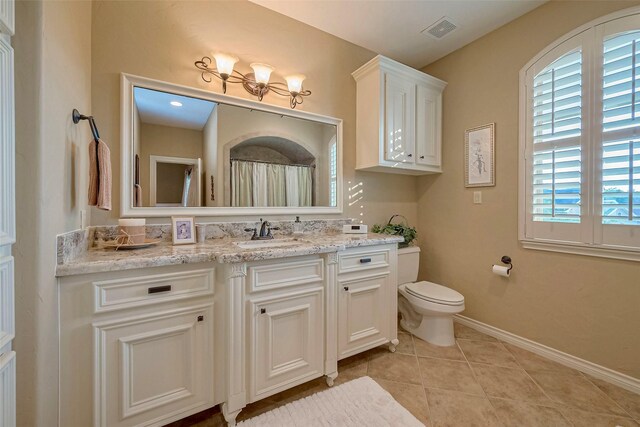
(479, 156)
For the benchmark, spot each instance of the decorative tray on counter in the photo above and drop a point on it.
(114, 244)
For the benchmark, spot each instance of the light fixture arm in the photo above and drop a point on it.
(207, 70)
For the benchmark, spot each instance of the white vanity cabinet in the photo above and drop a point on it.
(140, 343)
(399, 118)
(285, 303)
(146, 347)
(367, 302)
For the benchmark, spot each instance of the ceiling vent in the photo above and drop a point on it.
(440, 29)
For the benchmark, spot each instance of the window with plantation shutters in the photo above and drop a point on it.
(557, 126)
(580, 142)
(621, 129)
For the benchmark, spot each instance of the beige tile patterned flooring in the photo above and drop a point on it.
(480, 381)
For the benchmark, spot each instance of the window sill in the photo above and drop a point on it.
(588, 250)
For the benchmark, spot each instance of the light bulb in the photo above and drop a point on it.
(262, 73)
(225, 63)
(294, 82)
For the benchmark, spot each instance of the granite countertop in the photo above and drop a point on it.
(222, 250)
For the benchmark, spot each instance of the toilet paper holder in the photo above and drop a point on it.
(507, 260)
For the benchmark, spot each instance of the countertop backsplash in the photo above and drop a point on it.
(75, 244)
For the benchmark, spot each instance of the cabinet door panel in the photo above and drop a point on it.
(8, 389)
(7, 323)
(7, 16)
(155, 368)
(288, 342)
(7, 144)
(427, 126)
(362, 316)
(400, 99)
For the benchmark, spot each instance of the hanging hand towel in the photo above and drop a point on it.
(99, 175)
(137, 196)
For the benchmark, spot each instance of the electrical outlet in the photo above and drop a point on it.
(477, 197)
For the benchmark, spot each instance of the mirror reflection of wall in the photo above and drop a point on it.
(168, 126)
(195, 152)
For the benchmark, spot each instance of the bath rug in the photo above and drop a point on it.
(360, 402)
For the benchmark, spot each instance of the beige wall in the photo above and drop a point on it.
(162, 39)
(585, 306)
(168, 141)
(210, 162)
(53, 71)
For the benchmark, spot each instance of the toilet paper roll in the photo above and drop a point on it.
(501, 271)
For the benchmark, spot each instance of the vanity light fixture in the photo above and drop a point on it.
(256, 83)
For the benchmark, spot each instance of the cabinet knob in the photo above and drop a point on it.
(365, 260)
(410, 155)
(422, 157)
(200, 318)
(263, 310)
(346, 288)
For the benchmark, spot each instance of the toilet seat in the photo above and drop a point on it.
(435, 293)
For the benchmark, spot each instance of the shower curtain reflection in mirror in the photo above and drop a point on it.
(270, 184)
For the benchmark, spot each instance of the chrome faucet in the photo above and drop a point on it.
(265, 231)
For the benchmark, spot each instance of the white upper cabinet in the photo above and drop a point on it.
(399, 118)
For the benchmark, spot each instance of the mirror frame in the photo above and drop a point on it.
(127, 84)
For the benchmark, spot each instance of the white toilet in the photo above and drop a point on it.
(427, 308)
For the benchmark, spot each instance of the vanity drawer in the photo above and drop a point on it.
(355, 260)
(138, 291)
(282, 273)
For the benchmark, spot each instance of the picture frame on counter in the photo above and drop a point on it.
(480, 156)
(183, 230)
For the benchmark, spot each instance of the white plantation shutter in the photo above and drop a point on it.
(556, 132)
(333, 174)
(580, 142)
(621, 129)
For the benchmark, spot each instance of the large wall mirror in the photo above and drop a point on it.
(187, 151)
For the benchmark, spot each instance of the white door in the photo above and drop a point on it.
(151, 370)
(7, 218)
(287, 339)
(362, 313)
(427, 126)
(400, 100)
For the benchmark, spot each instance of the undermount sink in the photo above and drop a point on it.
(274, 243)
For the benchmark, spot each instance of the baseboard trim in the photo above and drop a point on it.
(614, 377)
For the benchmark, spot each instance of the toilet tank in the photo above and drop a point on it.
(408, 264)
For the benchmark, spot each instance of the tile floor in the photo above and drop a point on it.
(478, 382)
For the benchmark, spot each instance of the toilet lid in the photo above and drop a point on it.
(435, 293)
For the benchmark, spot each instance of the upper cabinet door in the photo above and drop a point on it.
(7, 155)
(7, 16)
(428, 121)
(400, 101)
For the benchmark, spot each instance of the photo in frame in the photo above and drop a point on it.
(479, 156)
(183, 230)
